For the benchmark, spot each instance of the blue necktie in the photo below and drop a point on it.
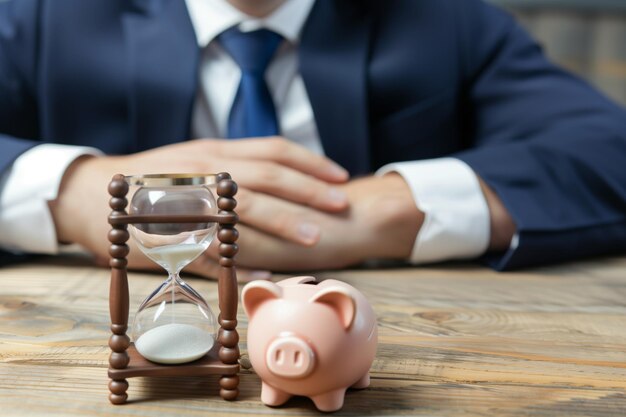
(253, 113)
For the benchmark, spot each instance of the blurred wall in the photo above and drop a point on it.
(585, 36)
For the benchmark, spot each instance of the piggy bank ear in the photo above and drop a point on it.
(340, 301)
(256, 293)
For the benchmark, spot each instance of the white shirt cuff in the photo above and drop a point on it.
(25, 189)
(456, 224)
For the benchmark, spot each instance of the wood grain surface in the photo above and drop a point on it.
(454, 341)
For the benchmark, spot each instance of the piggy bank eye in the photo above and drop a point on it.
(256, 293)
(340, 301)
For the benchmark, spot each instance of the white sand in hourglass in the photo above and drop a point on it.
(174, 343)
(175, 257)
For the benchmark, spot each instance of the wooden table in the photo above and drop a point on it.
(454, 341)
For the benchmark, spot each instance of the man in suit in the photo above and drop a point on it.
(463, 139)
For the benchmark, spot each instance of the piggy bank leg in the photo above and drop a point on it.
(330, 401)
(272, 396)
(363, 382)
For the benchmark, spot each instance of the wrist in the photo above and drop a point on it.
(396, 219)
(501, 223)
(66, 209)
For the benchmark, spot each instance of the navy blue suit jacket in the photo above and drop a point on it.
(388, 81)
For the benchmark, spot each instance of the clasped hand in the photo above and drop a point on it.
(298, 210)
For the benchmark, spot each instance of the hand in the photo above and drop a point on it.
(262, 168)
(382, 222)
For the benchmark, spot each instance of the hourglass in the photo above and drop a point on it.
(174, 324)
(173, 218)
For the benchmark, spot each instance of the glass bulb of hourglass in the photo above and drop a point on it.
(173, 245)
(174, 324)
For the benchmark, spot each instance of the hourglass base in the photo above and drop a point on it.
(209, 364)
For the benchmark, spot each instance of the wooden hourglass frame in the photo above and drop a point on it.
(223, 358)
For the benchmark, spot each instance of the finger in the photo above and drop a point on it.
(278, 217)
(286, 183)
(283, 152)
(206, 267)
(260, 175)
(258, 250)
(245, 275)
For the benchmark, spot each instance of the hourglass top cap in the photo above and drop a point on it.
(163, 180)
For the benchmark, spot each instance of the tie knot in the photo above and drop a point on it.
(252, 51)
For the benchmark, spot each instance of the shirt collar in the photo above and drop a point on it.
(212, 17)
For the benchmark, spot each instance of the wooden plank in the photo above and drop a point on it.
(455, 340)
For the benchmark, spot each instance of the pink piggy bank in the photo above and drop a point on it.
(309, 339)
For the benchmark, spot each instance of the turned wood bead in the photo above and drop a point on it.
(118, 263)
(119, 342)
(223, 176)
(229, 355)
(118, 236)
(118, 399)
(114, 217)
(233, 215)
(228, 324)
(229, 382)
(229, 395)
(230, 218)
(119, 251)
(119, 360)
(118, 188)
(118, 203)
(118, 213)
(229, 338)
(226, 188)
(226, 203)
(119, 328)
(118, 386)
(227, 262)
(228, 249)
(228, 235)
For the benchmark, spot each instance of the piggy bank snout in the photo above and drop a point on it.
(290, 357)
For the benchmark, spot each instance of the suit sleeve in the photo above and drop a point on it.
(18, 51)
(18, 109)
(550, 146)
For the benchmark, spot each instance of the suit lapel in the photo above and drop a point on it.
(333, 62)
(163, 54)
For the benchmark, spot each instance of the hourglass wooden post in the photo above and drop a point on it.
(124, 361)
(118, 290)
(227, 286)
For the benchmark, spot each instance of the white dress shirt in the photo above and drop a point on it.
(456, 224)
(220, 75)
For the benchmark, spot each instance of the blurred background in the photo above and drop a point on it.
(586, 36)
